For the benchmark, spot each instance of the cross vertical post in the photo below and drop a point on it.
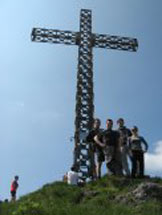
(86, 40)
(84, 95)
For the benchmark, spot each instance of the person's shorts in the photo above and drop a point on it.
(13, 193)
(100, 156)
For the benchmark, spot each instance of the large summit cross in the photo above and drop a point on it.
(86, 40)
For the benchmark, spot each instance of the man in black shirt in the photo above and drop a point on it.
(124, 151)
(108, 140)
(95, 149)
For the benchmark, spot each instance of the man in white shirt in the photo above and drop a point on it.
(72, 177)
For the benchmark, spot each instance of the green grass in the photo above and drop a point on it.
(95, 198)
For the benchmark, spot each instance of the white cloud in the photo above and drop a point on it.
(154, 160)
(46, 116)
(15, 105)
(19, 104)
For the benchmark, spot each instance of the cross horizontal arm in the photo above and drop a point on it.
(115, 42)
(54, 36)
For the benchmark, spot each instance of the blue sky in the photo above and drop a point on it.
(38, 84)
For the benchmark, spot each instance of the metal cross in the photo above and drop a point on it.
(86, 40)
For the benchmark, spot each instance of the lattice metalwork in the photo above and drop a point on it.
(84, 96)
(115, 42)
(54, 36)
(86, 40)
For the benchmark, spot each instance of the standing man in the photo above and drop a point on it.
(95, 149)
(124, 133)
(108, 140)
(14, 187)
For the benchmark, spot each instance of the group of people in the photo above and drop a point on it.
(115, 147)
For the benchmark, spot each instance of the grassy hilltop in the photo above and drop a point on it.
(107, 196)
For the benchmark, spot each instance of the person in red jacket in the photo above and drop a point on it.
(14, 186)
